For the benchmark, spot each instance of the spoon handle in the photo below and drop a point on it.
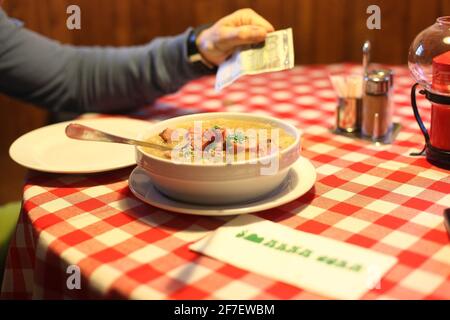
(366, 56)
(81, 132)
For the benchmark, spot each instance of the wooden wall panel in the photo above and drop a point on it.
(325, 31)
(17, 118)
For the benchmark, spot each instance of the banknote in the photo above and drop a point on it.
(275, 54)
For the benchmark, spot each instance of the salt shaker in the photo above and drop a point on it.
(377, 106)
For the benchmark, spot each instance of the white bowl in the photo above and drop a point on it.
(218, 183)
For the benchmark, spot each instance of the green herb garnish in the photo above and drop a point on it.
(237, 137)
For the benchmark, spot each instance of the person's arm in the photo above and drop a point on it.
(67, 78)
(59, 77)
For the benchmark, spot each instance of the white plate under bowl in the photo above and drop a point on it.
(48, 149)
(299, 181)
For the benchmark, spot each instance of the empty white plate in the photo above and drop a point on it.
(48, 149)
(300, 180)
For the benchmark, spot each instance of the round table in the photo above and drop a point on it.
(377, 197)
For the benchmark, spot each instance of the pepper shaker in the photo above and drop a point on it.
(377, 109)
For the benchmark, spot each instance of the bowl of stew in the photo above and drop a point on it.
(219, 158)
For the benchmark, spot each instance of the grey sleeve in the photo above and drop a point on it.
(76, 79)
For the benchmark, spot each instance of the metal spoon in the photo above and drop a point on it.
(81, 132)
(366, 56)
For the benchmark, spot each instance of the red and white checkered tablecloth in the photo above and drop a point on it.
(377, 197)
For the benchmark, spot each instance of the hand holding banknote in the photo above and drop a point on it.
(243, 27)
(276, 53)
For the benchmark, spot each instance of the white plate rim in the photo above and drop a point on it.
(308, 174)
(18, 143)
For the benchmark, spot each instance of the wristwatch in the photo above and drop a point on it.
(194, 55)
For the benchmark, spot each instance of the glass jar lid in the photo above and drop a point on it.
(429, 57)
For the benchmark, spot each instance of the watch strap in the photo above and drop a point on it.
(193, 53)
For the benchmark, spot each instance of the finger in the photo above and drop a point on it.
(250, 17)
(231, 37)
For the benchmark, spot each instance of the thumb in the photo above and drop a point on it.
(232, 37)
